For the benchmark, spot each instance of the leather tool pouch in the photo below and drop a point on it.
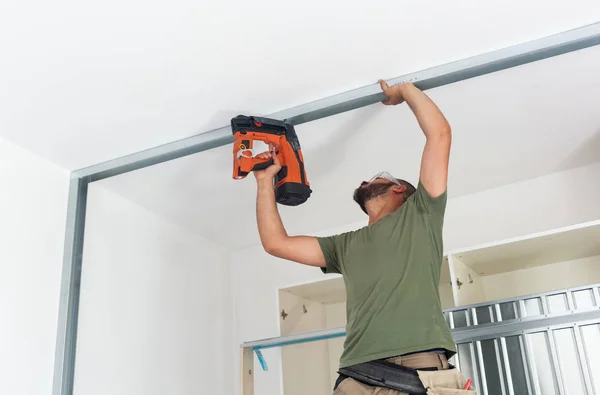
(444, 382)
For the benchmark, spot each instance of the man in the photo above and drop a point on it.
(391, 267)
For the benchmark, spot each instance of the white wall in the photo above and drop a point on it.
(155, 313)
(468, 292)
(336, 317)
(256, 277)
(304, 316)
(33, 204)
(568, 274)
(548, 202)
(516, 283)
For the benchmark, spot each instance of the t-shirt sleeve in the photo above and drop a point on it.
(428, 204)
(330, 247)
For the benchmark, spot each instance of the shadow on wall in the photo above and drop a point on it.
(586, 154)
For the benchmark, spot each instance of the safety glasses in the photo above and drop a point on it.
(385, 175)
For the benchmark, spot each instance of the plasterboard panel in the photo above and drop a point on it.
(547, 248)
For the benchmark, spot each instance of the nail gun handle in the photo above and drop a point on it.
(263, 165)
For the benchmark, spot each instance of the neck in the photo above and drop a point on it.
(380, 208)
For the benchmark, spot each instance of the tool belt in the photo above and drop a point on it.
(432, 381)
(380, 373)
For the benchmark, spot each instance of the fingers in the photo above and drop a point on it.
(384, 85)
(273, 150)
(275, 159)
(267, 154)
(385, 88)
(271, 154)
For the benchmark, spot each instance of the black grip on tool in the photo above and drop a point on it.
(263, 165)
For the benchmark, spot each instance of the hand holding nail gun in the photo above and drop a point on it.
(283, 162)
(271, 158)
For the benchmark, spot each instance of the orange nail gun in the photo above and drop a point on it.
(291, 185)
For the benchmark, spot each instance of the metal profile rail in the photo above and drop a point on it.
(517, 55)
(282, 341)
(513, 56)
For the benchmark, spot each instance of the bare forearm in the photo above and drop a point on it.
(430, 118)
(274, 238)
(270, 227)
(434, 163)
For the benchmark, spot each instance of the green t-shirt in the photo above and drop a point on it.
(391, 270)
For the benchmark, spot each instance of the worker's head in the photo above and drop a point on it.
(383, 189)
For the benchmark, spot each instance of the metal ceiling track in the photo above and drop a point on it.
(490, 62)
(486, 63)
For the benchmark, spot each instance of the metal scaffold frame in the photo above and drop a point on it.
(498, 60)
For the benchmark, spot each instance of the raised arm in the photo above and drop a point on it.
(274, 238)
(436, 154)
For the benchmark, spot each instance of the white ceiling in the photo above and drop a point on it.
(83, 83)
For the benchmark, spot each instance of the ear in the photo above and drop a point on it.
(399, 189)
